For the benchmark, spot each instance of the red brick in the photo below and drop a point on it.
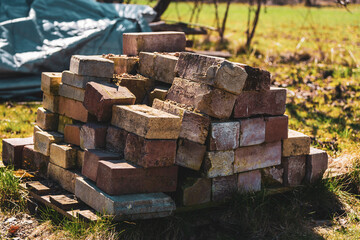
(251, 103)
(74, 109)
(72, 133)
(224, 136)
(47, 120)
(134, 43)
(28, 157)
(276, 128)
(119, 177)
(223, 187)
(137, 85)
(99, 99)
(12, 150)
(316, 164)
(91, 161)
(41, 163)
(252, 131)
(93, 135)
(116, 140)
(257, 80)
(190, 154)
(294, 170)
(249, 181)
(150, 152)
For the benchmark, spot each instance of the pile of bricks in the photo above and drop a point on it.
(139, 134)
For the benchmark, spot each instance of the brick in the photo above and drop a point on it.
(159, 92)
(150, 152)
(38, 188)
(43, 140)
(71, 92)
(46, 119)
(137, 85)
(224, 136)
(256, 157)
(249, 181)
(273, 176)
(28, 157)
(51, 102)
(276, 128)
(223, 188)
(257, 80)
(92, 66)
(64, 202)
(194, 125)
(294, 170)
(119, 177)
(195, 191)
(50, 82)
(116, 140)
(63, 155)
(134, 43)
(100, 98)
(80, 158)
(252, 131)
(41, 163)
(130, 207)
(66, 178)
(72, 133)
(252, 103)
(124, 64)
(74, 109)
(12, 150)
(80, 81)
(214, 71)
(146, 122)
(190, 154)
(211, 101)
(296, 144)
(93, 135)
(316, 165)
(91, 161)
(164, 66)
(63, 120)
(146, 64)
(218, 164)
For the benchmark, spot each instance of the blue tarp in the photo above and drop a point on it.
(41, 35)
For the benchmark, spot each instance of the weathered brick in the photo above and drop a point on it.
(74, 109)
(28, 158)
(100, 98)
(119, 177)
(91, 161)
(294, 170)
(195, 191)
(146, 64)
(93, 135)
(66, 178)
(252, 103)
(46, 120)
(214, 71)
(41, 163)
(43, 140)
(64, 202)
(63, 120)
(72, 133)
(249, 181)
(116, 140)
(124, 64)
(63, 155)
(211, 101)
(273, 176)
(51, 102)
(159, 92)
(150, 152)
(296, 144)
(37, 129)
(164, 66)
(258, 156)
(194, 125)
(223, 188)
(146, 121)
(130, 207)
(134, 43)
(80, 81)
(189, 154)
(92, 66)
(252, 131)
(257, 80)
(50, 82)
(224, 136)
(316, 164)
(80, 158)
(12, 150)
(218, 164)
(137, 85)
(71, 92)
(276, 128)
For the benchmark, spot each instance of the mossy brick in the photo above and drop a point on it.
(134, 43)
(316, 165)
(47, 120)
(294, 170)
(63, 121)
(74, 109)
(116, 140)
(12, 150)
(71, 92)
(276, 128)
(146, 121)
(252, 131)
(222, 188)
(218, 164)
(44, 139)
(66, 178)
(95, 66)
(224, 136)
(249, 181)
(93, 135)
(189, 154)
(194, 191)
(211, 101)
(72, 133)
(50, 82)
(100, 98)
(80, 81)
(296, 144)
(257, 156)
(63, 155)
(51, 102)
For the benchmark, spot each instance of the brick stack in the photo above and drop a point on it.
(197, 128)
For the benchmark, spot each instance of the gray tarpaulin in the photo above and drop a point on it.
(41, 35)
